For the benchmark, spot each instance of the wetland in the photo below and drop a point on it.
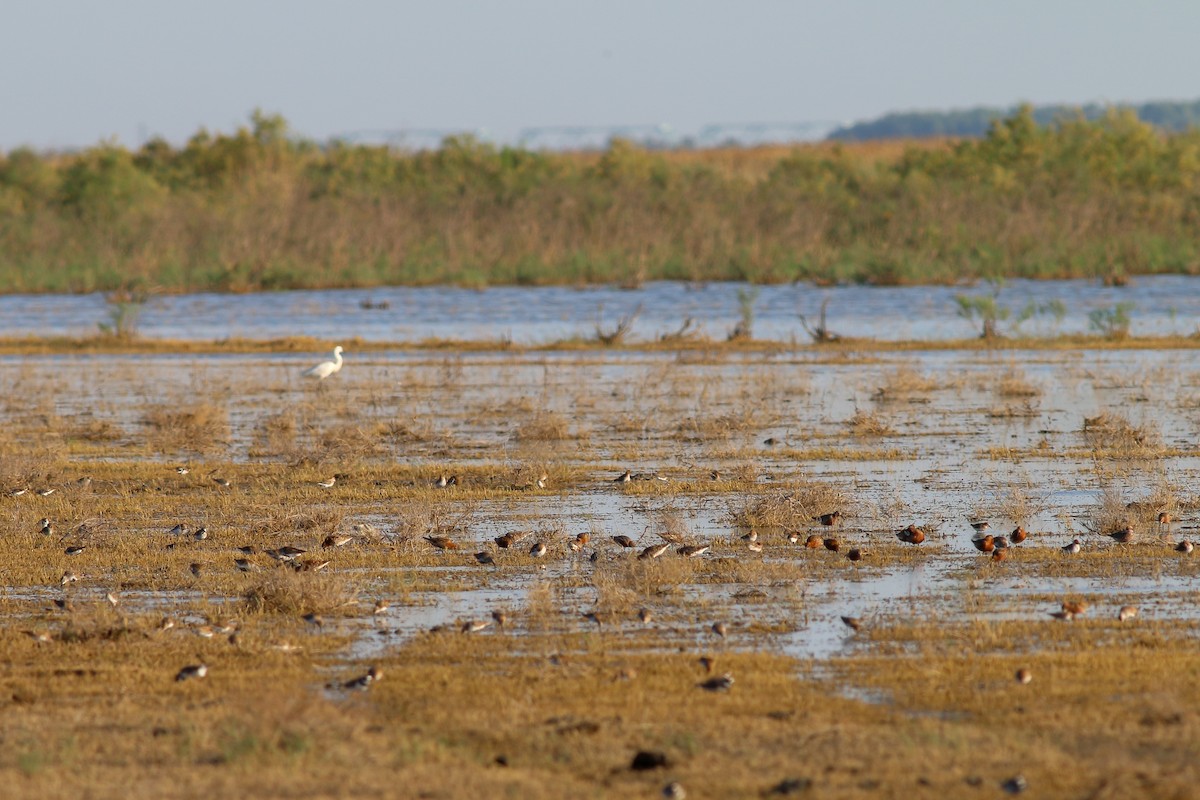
(407, 652)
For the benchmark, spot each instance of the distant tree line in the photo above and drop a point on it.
(1164, 115)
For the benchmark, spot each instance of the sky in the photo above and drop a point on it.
(76, 72)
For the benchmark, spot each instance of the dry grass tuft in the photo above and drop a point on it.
(1018, 506)
(544, 426)
(869, 423)
(201, 428)
(1110, 431)
(284, 591)
(905, 383)
(1014, 383)
(793, 509)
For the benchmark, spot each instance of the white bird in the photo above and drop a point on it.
(326, 368)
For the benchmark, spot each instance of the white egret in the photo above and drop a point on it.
(326, 368)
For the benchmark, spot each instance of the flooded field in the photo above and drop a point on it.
(422, 487)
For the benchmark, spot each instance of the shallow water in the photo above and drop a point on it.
(1163, 304)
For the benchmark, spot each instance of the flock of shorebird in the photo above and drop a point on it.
(299, 559)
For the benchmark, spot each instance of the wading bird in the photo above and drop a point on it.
(326, 368)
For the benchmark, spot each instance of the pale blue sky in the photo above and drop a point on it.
(75, 71)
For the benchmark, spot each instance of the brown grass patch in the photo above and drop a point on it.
(285, 591)
(869, 423)
(200, 428)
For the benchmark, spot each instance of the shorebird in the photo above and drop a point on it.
(248, 549)
(543, 481)
(708, 662)
(47, 529)
(112, 599)
(499, 617)
(1074, 547)
(1184, 547)
(1123, 536)
(507, 540)
(363, 682)
(624, 477)
(719, 629)
(538, 550)
(830, 519)
(381, 606)
(980, 525)
(195, 568)
(596, 617)
(475, 625)
(644, 616)
(484, 557)
(285, 553)
(41, 637)
(999, 554)
(1064, 616)
(1075, 607)
(182, 470)
(326, 368)
(336, 540)
(755, 547)
(191, 671)
(1018, 535)
(17, 492)
(1000, 542)
(654, 551)
(46, 492)
(752, 536)
(812, 542)
(446, 480)
(985, 544)
(442, 542)
(1024, 676)
(793, 537)
(201, 534)
(43, 522)
(68, 577)
(1164, 518)
(327, 484)
(243, 564)
(166, 624)
(314, 620)
(856, 554)
(831, 544)
(1127, 612)
(911, 535)
(310, 565)
(693, 550)
(624, 541)
(178, 530)
(222, 482)
(674, 791)
(75, 549)
(720, 683)
(853, 623)
(715, 475)
(64, 604)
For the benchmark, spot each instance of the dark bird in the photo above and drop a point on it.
(720, 683)
(830, 519)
